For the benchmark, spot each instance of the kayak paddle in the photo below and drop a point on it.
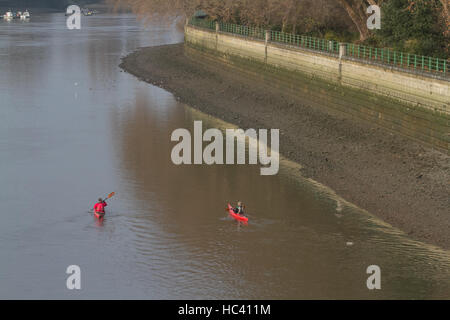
(109, 195)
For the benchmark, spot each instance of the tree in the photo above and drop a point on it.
(356, 9)
(446, 17)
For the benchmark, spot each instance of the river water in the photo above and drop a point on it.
(73, 127)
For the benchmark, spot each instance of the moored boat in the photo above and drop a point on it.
(87, 12)
(8, 15)
(25, 15)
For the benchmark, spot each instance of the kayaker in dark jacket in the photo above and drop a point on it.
(239, 208)
(99, 207)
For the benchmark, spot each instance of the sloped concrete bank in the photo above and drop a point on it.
(401, 181)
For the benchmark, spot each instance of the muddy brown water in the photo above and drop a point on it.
(73, 127)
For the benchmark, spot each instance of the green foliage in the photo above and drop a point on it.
(341, 35)
(310, 27)
(412, 27)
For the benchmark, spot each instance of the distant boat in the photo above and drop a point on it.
(8, 15)
(25, 15)
(87, 12)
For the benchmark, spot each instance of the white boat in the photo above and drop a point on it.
(8, 15)
(25, 15)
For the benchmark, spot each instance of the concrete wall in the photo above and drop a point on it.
(414, 104)
(413, 89)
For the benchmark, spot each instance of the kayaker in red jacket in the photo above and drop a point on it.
(99, 207)
(239, 208)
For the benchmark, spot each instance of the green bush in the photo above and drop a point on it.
(412, 29)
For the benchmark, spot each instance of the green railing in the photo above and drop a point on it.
(253, 32)
(376, 55)
(397, 59)
(305, 42)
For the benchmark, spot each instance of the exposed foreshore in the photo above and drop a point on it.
(397, 179)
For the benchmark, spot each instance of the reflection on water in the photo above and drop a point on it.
(73, 128)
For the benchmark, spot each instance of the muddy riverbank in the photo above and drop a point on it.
(398, 180)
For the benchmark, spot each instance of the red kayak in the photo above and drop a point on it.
(99, 215)
(238, 217)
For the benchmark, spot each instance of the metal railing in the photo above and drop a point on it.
(398, 59)
(385, 56)
(305, 42)
(253, 32)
